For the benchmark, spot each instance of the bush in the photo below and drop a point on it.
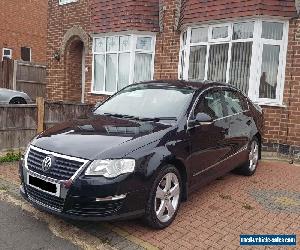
(11, 157)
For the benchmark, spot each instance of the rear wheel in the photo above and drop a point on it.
(164, 198)
(17, 100)
(254, 152)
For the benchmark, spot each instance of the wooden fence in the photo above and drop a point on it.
(31, 79)
(6, 73)
(20, 123)
(17, 126)
(23, 76)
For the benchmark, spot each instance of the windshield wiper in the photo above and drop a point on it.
(156, 118)
(118, 115)
(140, 118)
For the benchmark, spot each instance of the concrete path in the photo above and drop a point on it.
(19, 230)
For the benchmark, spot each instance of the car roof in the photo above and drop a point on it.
(201, 85)
(11, 91)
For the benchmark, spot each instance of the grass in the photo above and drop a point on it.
(10, 157)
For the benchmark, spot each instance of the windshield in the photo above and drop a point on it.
(148, 101)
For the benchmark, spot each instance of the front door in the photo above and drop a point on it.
(210, 143)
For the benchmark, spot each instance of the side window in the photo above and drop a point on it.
(211, 104)
(234, 102)
(6, 53)
(26, 54)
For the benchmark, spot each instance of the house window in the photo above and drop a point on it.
(6, 53)
(26, 54)
(249, 55)
(121, 60)
(62, 2)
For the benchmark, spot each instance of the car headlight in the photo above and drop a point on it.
(111, 168)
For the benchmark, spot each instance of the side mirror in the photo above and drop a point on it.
(201, 119)
(204, 118)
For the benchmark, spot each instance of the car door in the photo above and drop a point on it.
(210, 143)
(240, 124)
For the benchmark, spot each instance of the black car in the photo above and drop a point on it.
(142, 152)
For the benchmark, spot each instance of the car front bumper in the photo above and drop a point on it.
(89, 198)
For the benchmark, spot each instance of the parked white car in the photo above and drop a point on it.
(8, 96)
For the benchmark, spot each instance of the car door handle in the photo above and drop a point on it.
(249, 122)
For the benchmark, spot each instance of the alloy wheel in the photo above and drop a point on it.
(167, 197)
(253, 155)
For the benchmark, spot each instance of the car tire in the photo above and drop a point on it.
(164, 199)
(17, 100)
(250, 166)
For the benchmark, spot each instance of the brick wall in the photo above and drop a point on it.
(118, 15)
(24, 24)
(282, 124)
(194, 11)
(167, 43)
(61, 20)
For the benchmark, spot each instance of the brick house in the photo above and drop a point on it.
(23, 28)
(96, 47)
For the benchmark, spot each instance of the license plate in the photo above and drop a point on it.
(41, 183)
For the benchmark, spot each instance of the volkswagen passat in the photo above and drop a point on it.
(142, 152)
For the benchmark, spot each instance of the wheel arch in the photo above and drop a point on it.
(17, 98)
(153, 163)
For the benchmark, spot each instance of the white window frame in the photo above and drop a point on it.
(63, 2)
(133, 51)
(257, 48)
(30, 57)
(10, 52)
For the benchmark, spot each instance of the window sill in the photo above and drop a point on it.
(271, 104)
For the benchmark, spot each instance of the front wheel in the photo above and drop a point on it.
(164, 198)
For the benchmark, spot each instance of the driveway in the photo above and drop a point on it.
(212, 218)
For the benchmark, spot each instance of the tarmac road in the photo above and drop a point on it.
(20, 230)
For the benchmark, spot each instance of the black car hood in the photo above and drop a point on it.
(101, 137)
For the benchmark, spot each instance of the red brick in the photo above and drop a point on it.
(24, 24)
(206, 10)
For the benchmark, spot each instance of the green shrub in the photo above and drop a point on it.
(10, 157)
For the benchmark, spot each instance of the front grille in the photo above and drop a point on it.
(45, 199)
(61, 168)
(94, 208)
